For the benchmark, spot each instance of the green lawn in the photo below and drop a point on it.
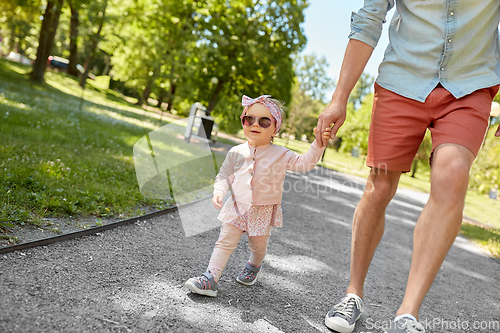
(62, 157)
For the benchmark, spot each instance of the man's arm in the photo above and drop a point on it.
(356, 56)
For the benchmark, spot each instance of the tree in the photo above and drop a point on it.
(312, 76)
(18, 18)
(485, 172)
(75, 8)
(46, 40)
(152, 45)
(361, 89)
(301, 115)
(101, 14)
(423, 154)
(248, 46)
(354, 132)
(308, 94)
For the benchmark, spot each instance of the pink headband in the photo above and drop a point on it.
(271, 106)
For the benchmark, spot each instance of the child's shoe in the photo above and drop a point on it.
(248, 276)
(203, 285)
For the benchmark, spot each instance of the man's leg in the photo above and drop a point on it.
(367, 230)
(439, 222)
(368, 224)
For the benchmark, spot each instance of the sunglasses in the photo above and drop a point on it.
(263, 122)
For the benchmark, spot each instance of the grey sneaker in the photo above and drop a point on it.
(405, 325)
(248, 276)
(203, 285)
(343, 316)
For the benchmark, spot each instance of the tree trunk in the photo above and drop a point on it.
(414, 168)
(215, 96)
(93, 47)
(12, 41)
(147, 92)
(161, 97)
(138, 95)
(107, 66)
(170, 99)
(46, 40)
(149, 86)
(73, 41)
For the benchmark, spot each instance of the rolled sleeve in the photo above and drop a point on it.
(366, 24)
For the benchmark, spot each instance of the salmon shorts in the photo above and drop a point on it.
(398, 124)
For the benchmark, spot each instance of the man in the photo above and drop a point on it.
(440, 71)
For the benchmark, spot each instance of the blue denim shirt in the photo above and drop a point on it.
(452, 42)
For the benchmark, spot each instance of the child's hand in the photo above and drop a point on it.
(217, 200)
(326, 135)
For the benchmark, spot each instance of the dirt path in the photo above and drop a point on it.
(131, 279)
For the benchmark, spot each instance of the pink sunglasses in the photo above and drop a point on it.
(264, 122)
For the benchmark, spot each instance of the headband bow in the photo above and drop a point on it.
(270, 105)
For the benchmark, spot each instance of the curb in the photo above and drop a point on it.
(93, 230)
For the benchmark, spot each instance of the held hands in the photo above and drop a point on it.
(335, 113)
(326, 135)
(217, 200)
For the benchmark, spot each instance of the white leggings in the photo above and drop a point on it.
(228, 240)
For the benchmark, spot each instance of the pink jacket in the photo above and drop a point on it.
(256, 173)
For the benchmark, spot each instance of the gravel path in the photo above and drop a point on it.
(130, 279)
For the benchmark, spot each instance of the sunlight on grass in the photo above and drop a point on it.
(486, 238)
(481, 208)
(60, 157)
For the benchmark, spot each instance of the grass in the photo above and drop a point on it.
(486, 238)
(62, 155)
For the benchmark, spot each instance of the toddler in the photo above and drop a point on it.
(255, 171)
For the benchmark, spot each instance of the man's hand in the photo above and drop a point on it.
(497, 133)
(335, 113)
(217, 200)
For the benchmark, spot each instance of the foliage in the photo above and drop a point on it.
(247, 46)
(356, 128)
(308, 92)
(312, 77)
(423, 154)
(361, 89)
(485, 173)
(301, 115)
(18, 23)
(184, 51)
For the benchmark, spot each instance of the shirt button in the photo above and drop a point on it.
(451, 13)
(442, 68)
(251, 174)
(251, 202)
(254, 158)
(449, 40)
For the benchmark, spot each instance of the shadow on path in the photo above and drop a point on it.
(131, 279)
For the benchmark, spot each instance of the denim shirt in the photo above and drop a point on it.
(452, 42)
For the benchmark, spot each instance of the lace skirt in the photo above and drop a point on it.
(256, 220)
